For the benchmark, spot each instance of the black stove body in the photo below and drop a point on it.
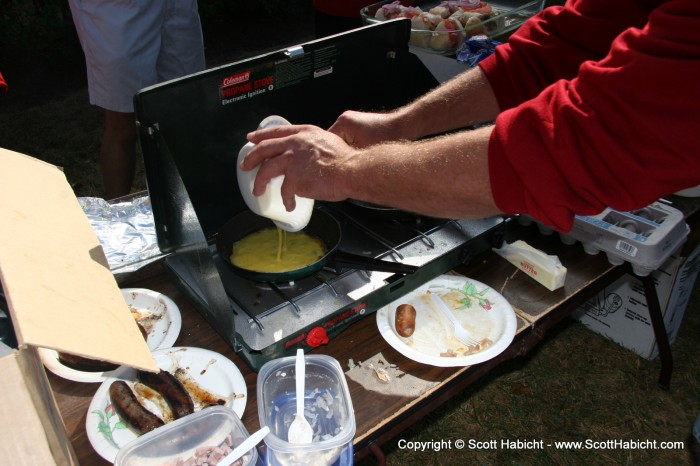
(191, 130)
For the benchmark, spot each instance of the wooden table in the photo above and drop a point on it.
(382, 414)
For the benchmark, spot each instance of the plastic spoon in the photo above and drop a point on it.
(245, 446)
(300, 430)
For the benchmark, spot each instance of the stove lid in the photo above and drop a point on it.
(192, 128)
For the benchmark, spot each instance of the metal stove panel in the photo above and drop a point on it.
(310, 310)
(348, 289)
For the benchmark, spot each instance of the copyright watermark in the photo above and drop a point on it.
(535, 444)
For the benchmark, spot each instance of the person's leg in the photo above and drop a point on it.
(118, 154)
(181, 45)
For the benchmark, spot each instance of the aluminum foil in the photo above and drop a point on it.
(126, 231)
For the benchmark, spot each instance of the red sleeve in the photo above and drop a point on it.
(620, 131)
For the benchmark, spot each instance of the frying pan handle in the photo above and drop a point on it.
(339, 259)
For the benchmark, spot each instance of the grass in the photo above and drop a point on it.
(576, 385)
(66, 133)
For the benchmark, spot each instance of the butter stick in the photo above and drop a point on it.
(546, 269)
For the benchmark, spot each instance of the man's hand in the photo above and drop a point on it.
(306, 155)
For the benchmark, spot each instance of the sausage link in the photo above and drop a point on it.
(82, 364)
(171, 389)
(130, 410)
(405, 320)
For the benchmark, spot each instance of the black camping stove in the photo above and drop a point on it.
(191, 130)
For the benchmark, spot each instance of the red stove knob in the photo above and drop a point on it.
(317, 336)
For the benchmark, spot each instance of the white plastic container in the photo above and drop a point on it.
(189, 437)
(270, 204)
(327, 404)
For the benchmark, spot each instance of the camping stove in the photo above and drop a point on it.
(272, 319)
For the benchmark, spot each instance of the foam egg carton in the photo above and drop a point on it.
(645, 238)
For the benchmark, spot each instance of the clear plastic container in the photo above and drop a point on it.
(269, 204)
(180, 440)
(328, 408)
(505, 17)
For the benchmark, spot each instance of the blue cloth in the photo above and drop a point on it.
(475, 49)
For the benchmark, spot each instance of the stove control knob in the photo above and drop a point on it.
(317, 336)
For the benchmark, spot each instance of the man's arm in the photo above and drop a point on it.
(445, 176)
(465, 100)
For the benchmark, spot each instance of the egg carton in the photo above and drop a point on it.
(645, 238)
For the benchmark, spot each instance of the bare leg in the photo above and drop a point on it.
(118, 153)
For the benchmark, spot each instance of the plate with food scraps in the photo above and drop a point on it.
(479, 309)
(158, 317)
(209, 378)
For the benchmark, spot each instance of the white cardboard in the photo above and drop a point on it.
(58, 285)
(620, 312)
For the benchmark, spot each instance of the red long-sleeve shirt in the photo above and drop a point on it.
(601, 108)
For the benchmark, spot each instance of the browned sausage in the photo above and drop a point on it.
(82, 364)
(405, 320)
(171, 389)
(144, 332)
(130, 410)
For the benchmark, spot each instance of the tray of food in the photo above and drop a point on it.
(132, 403)
(442, 27)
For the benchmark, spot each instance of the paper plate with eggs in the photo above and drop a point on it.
(430, 338)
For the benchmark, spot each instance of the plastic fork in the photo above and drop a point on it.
(245, 446)
(460, 332)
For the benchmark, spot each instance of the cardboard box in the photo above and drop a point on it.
(61, 295)
(620, 311)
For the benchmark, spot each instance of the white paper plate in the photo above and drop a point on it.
(212, 372)
(482, 311)
(160, 316)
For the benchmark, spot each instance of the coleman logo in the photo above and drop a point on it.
(235, 79)
(241, 86)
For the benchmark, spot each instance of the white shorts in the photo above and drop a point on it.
(132, 44)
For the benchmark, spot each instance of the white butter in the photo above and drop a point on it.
(544, 268)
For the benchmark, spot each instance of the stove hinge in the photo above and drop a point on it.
(150, 130)
(294, 52)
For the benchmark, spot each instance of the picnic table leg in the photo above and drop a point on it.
(657, 322)
(378, 454)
